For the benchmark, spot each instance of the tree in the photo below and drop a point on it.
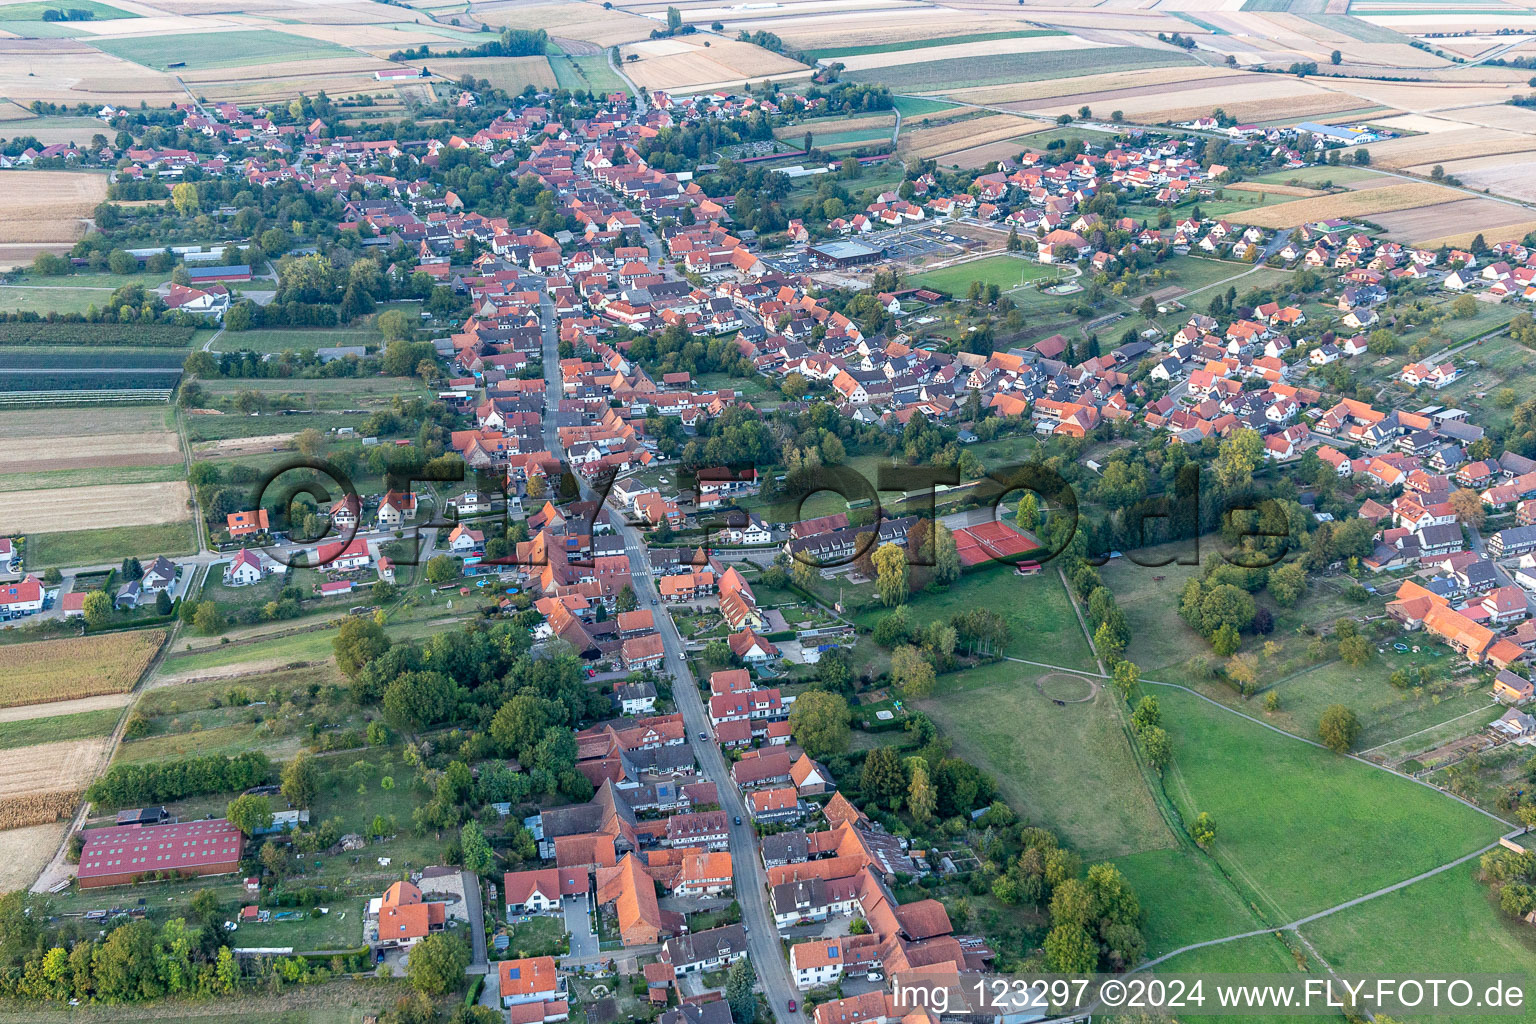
(249, 814)
(97, 608)
(441, 569)
(1225, 641)
(912, 673)
(1027, 514)
(921, 799)
(396, 325)
(478, 857)
(1237, 457)
(436, 964)
(1338, 728)
(1468, 507)
(739, 994)
(946, 556)
(1148, 713)
(274, 858)
(1355, 651)
(891, 574)
(415, 700)
(520, 723)
(1157, 746)
(357, 642)
(1069, 949)
(163, 603)
(301, 780)
(818, 720)
(310, 442)
(208, 619)
(1287, 583)
(1464, 308)
(1203, 832)
(1335, 57)
(882, 779)
(1125, 675)
(626, 601)
(184, 198)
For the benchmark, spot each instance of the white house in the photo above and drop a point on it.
(244, 569)
(21, 598)
(463, 540)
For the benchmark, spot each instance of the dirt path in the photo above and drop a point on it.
(24, 712)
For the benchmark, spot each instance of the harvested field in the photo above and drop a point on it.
(819, 126)
(1497, 115)
(1507, 233)
(49, 130)
(590, 23)
(943, 76)
(68, 72)
(26, 423)
(980, 156)
(853, 28)
(24, 852)
(1511, 174)
(1274, 190)
(676, 64)
(51, 453)
(1444, 147)
(948, 138)
(1418, 224)
(1243, 97)
(48, 206)
(1345, 205)
(14, 255)
(957, 51)
(1133, 82)
(62, 509)
(44, 671)
(512, 74)
(47, 768)
(28, 712)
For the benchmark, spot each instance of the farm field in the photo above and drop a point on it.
(1357, 204)
(838, 52)
(48, 206)
(683, 64)
(585, 22)
(1348, 828)
(77, 508)
(24, 852)
(297, 339)
(590, 73)
(512, 74)
(81, 725)
(44, 671)
(938, 139)
(1496, 221)
(49, 130)
(37, 454)
(220, 49)
(92, 546)
(1067, 767)
(944, 76)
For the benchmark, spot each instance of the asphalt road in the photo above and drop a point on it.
(750, 880)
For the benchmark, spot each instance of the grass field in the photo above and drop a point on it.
(586, 73)
(107, 543)
(1066, 767)
(220, 49)
(35, 11)
(83, 477)
(915, 106)
(1301, 829)
(969, 72)
(59, 299)
(279, 339)
(1447, 922)
(61, 727)
(48, 670)
(1036, 609)
(1184, 899)
(1007, 272)
(834, 52)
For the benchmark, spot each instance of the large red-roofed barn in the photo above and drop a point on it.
(122, 854)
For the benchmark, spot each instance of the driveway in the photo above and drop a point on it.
(578, 922)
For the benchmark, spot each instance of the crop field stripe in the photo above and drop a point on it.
(971, 72)
(923, 44)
